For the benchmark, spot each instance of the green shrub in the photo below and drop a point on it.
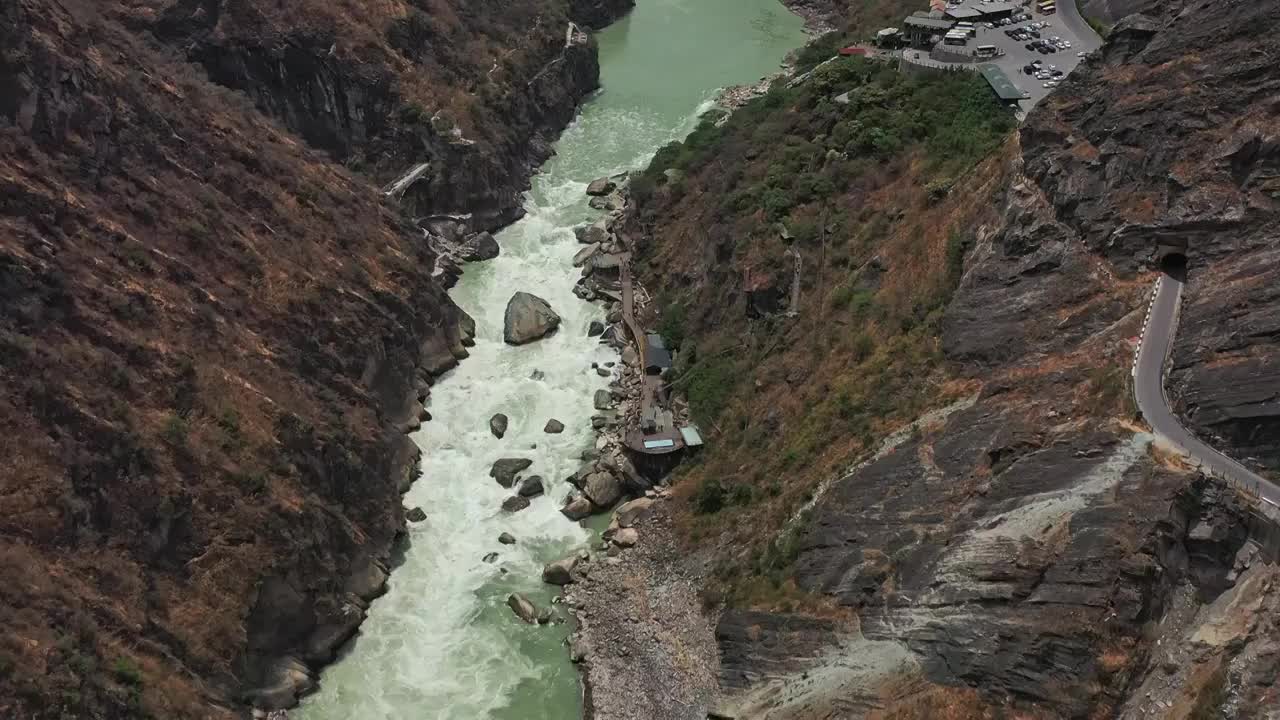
(819, 51)
(710, 498)
(672, 325)
(176, 430)
(127, 672)
(710, 385)
(413, 114)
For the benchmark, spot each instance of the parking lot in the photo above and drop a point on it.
(1066, 25)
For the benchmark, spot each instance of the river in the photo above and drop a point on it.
(442, 643)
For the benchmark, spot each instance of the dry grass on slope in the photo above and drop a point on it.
(788, 395)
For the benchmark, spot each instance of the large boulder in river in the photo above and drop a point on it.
(480, 246)
(553, 427)
(560, 572)
(504, 470)
(498, 425)
(515, 504)
(531, 486)
(528, 318)
(601, 186)
(523, 608)
(602, 489)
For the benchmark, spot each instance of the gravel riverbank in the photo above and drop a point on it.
(646, 649)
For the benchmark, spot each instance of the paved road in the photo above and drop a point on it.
(1148, 384)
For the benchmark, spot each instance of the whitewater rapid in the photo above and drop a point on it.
(442, 643)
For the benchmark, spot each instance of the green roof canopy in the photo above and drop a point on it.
(1001, 83)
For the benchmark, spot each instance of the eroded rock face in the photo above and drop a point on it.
(356, 107)
(599, 13)
(528, 318)
(988, 550)
(1133, 180)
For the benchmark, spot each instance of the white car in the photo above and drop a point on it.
(1066, 43)
(1082, 53)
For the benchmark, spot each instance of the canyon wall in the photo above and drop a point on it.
(1022, 545)
(217, 329)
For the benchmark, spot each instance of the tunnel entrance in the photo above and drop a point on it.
(1174, 264)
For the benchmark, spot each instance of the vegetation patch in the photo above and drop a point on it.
(864, 207)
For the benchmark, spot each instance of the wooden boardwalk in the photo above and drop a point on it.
(666, 439)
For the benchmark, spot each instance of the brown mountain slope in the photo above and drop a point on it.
(1026, 551)
(213, 337)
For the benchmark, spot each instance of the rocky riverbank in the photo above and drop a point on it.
(645, 644)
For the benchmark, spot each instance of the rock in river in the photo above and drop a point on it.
(515, 503)
(507, 539)
(523, 609)
(498, 425)
(585, 254)
(611, 203)
(415, 515)
(553, 427)
(603, 400)
(596, 328)
(480, 246)
(577, 508)
(560, 572)
(602, 489)
(504, 470)
(601, 186)
(531, 487)
(528, 318)
(596, 233)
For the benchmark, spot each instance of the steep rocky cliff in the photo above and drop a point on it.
(1022, 546)
(1169, 139)
(476, 89)
(214, 337)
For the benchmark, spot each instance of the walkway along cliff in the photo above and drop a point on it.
(1035, 549)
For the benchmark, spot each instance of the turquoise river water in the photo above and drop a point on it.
(441, 644)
